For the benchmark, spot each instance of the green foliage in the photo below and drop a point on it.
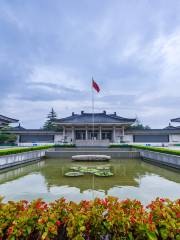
(6, 137)
(99, 219)
(4, 152)
(138, 126)
(49, 124)
(119, 146)
(65, 145)
(157, 149)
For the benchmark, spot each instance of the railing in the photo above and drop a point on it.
(19, 158)
(161, 158)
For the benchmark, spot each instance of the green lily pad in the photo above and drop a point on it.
(73, 174)
(75, 168)
(88, 170)
(103, 167)
(104, 174)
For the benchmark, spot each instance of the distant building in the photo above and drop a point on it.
(97, 126)
(5, 121)
(107, 128)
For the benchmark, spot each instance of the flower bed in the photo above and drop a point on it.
(106, 218)
(21, 150)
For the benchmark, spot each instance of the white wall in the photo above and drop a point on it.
(58, 137)
(128, 138)
(68, 135)
(118, 133)
(174, 138)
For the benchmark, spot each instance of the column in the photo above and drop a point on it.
(100, 133)
(114, 134)
(17, 140)
(86, 133)
(64, 132)
(73, 136)
(123, 133)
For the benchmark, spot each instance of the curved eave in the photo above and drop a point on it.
(8, 120)
(32, 131)
(175, 120)
(96, 123)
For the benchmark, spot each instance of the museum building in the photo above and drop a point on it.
(101, 128)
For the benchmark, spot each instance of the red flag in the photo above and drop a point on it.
(95, 86)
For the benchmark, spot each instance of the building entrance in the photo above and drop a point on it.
(107, 135)
(80, 134)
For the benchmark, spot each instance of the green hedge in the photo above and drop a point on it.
(4, 152)
(66, 145)
(8, 144)
(119, 146)
(99, 219)
(157, 149)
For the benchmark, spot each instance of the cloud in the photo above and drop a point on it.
(50, 50)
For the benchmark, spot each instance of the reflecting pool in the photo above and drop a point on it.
(132, 179)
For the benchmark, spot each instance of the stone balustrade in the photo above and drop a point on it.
(19, 158)
(160, 158)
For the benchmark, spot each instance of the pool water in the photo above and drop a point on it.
(132, 179)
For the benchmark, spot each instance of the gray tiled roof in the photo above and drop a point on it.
(175, 120)
(98, 118)
(18, 128)
(171, 127)
(7, 119)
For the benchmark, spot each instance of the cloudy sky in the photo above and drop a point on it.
(49, 51)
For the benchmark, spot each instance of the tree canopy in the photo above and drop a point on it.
(6, 137)
(139, 126)
(49, 123)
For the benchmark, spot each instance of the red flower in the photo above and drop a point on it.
(10, 230)
(132, 220)
(58, 223)
(25, 202)
(45, 206)
(105, 202)
(150, 218)
(144, 221)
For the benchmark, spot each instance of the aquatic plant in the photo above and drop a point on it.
(73, 174)
(104, 174)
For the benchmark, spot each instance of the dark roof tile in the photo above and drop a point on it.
(175, 120)
(7, 119)
(98, 118)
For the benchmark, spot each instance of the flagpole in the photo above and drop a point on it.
(92, 111)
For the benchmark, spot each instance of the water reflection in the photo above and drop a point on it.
(132, 178)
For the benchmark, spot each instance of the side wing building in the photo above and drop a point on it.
(5, 121)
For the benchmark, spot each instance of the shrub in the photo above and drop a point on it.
(65, 145)
(119, 146)
(21, 150)
(106, 218)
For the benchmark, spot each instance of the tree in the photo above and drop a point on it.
(139, 126)
(49, 125)
(6, 137)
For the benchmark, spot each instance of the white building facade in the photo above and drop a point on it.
(99, 127)
(102, 129)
